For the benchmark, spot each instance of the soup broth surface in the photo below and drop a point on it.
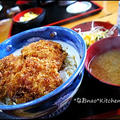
(106, 66)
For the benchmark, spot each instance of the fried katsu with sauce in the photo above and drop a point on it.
(32, 74)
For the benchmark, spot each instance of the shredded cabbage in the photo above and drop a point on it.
(94, 34)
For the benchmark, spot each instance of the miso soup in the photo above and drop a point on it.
(106, 66)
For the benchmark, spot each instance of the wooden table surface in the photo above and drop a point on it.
(5, 28)
(109, 13)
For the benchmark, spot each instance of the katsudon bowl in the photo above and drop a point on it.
(59, 99)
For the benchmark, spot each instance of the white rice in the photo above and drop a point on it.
(71, 62)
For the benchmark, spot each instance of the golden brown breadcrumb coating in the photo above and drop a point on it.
(32, 74)
(46, 50)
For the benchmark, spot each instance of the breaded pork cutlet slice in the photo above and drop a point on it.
(36, 78)
(45, 49)
(33, 74)
(9, 66)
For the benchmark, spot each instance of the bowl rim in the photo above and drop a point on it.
(20, 14)
(62, 86)
(97, 22)
(87, 66)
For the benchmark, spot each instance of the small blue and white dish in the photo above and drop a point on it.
(59, 99)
